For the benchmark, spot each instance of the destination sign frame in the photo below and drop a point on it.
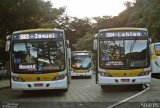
(134, 33)
(38, 35)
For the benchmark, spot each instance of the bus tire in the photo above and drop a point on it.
(26, 91)
(72, 77)
(89, 77)
(103, 87)
(140, 87)
(64, 90)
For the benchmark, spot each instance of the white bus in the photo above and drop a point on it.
(81, 64)
(123, 56)
(155, 59)
(38, 59)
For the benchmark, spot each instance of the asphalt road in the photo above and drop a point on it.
(82, 93)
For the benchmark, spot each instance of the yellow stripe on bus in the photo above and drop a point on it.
(80, 71)
(154, 56)
(125, 73)
(38, 77)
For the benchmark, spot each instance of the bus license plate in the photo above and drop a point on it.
(38, 84)
(125, 80)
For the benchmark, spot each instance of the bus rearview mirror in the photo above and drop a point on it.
(95, 44)
(69, 53)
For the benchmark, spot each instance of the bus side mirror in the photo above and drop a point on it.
(150, 40)
(151, 49)
(8, 42)
(69, 53)
(95, 44)
(67, 42)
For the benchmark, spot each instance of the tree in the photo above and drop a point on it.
(128, 4)
(26, 14)
(152, 19)
(85, 43)
(75, 28)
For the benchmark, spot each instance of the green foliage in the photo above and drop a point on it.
(1, 43)
(26, 14)
(152, 19)
(84, 43)
(75, 28)
(105, 22)
(143, 13)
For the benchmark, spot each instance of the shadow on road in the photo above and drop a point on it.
(81, 77)
(41, 93)
(122, 88)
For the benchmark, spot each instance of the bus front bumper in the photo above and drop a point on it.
(40, 85)
(124, 80)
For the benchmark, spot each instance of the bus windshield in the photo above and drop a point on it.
(81, 61)
(38, 56)
(123, 54)
(157, 49)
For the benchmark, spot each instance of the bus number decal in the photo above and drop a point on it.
(24, 36)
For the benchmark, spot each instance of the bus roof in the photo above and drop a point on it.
(81, 53)
(37, 30)
(157, 43)
(122, 28)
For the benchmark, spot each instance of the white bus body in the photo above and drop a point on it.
(122, 56)
(81, 63)
(38, 59)
(155, 58)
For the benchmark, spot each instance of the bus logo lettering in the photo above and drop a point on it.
(27, 66)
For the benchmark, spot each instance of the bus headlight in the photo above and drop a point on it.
(145, 73)
(17, 79)
(105, 74)
(59, 77)
(71, 70)
(89, 70)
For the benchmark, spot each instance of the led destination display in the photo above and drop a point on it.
(38, 35)
(123, 34)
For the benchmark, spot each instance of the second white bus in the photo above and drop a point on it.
(155, 59)
(81, 63)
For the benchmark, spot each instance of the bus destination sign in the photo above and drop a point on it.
(123, 34)
(25, 36)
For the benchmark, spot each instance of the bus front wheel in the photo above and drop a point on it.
(103, 87)
(64, 90)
